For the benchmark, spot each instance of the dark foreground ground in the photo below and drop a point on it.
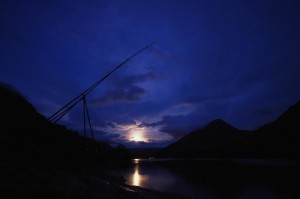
(35, 181)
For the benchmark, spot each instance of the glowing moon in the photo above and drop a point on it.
(138, 136)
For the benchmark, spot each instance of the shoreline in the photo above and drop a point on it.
(38, 181)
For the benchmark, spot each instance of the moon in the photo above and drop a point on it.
(138, 136)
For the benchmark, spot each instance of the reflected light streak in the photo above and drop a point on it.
(136, 178)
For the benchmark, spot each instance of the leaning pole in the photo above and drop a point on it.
(81, 97)
(86, 117)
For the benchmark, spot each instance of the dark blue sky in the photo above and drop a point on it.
(234, 60)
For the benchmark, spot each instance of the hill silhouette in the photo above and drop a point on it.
(27, 135)
(278, 139)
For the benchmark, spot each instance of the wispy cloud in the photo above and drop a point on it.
(126, 132)
(124, 89)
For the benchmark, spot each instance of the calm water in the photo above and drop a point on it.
(217, 179)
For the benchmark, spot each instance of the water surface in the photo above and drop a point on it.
(217, 179)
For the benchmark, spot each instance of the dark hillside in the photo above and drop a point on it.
(27, 135)
(279, 139)
(200, 143)
(43, 160)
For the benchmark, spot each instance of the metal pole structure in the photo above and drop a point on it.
(66, 108)
(86, 116)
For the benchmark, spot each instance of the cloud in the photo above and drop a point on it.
(123, 133)
(104, 136)
(124, 89)
(130, 94)
(181, 122)
(175, 126)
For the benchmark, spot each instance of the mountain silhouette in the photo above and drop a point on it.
(216, 134)
(218, 139)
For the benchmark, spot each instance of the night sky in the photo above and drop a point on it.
(234, 60)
